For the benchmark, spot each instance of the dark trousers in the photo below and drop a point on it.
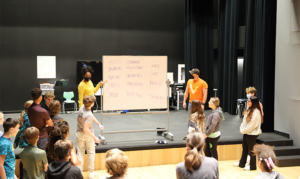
(248, 142)
(21, 170)
(211, 147)
(42, 143)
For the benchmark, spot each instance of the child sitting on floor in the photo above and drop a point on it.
(266, 159)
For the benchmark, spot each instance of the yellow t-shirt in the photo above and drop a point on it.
(196, 89)
(84, 89)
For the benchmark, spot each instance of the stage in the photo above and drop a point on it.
(146, 140)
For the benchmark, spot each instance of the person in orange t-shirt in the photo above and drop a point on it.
(197, 89)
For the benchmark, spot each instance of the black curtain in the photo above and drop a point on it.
(228, 44)
(198, 40)
(259, 59)
(268, 90)
(254, 43)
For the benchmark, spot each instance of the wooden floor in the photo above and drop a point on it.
(227, 171)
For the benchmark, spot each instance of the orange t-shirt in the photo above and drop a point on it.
(196, 89)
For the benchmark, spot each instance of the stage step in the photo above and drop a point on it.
(286, 150)
(276, 142)
(288, 161)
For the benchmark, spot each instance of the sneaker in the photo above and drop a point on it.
(92, 174)
(247, 168)
(236, 164)
(248, 159)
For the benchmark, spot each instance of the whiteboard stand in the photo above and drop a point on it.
(165, 133)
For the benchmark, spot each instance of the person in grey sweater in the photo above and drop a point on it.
(195, 165)
(265, 162)
(213, 133)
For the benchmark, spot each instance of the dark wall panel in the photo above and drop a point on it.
(75, 30)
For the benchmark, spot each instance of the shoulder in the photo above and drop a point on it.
(81, 84)
(203, 82)
(180, 167)
(210, 162)
(190, 81)
(256, 111)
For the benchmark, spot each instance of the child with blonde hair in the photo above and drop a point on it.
(116, 164)
(25, 123)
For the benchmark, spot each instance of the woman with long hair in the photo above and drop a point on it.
(250, 127)
(197, 118)
(195, 165)
(60, 131)
(213, 133)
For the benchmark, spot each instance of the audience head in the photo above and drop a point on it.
(54, 107)
(253, 103)
(60, 131)
(116, 163)
(36, 95)
(214, 102)
(1, 118)
(196, 106)
(194, 143)
(63, 149)
(32, 135)
(251, 91)
(195, 73)
(266, 157)
(26, 106)
(86, 72)
(88, 101)
(11, 126)
(49, 96)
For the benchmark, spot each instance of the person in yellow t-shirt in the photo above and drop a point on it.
(197, 89)
(86, 86)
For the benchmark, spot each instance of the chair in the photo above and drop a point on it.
(68, 96)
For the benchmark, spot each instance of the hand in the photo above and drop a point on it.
(15, 177)
(102, 83)
(97, 140)
(101, 127)
(15, 146)
(205, 136)
(184, 105)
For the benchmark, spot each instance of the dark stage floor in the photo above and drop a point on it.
(146, 140)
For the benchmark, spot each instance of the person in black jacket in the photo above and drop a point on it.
(63, 169)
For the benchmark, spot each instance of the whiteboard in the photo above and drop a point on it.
(135, 82)
(46, 67)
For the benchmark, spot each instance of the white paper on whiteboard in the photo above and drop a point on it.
(46, 67)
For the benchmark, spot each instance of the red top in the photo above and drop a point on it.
(38, 117)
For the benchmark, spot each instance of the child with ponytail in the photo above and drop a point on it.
(197, 118)
(195, 165)
(213, 133)
(266, 159)
(25, 123)
(60, 131)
